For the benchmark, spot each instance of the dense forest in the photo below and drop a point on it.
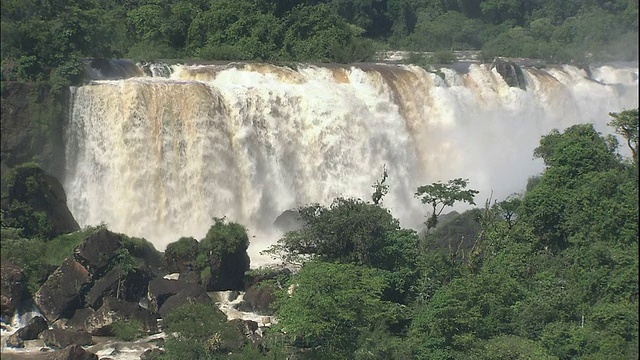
(44, 39)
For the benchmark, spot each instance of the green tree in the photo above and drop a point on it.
(331, 304)
(440, 195)
(626, 125)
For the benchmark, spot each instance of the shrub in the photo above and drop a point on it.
(127, 329)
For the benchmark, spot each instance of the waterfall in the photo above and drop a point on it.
(159, 156)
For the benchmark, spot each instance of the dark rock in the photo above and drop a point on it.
(60, 338)
(97, 250)
(12, 289)
(72, 352)
(227, 273)
(61, 293)
(510, 72)
(130, 287)
(289, 220)
(113, 310)
(161, 289)
(33, 328)
(151, 354)
(80, 316)
(192, 294)
(180, 256)
(258, 299)
(15, 341)
(248, 328)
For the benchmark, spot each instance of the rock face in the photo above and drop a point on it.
(72, 352)
(180, 257)
(30, 332)
(60, 338)
(130, 286)
(12, 288)
(62, 292)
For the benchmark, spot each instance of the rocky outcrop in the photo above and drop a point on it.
(510, 72)
(112, 310)
(12, 289)
(289, 220)
(62, 293)
(227, 272)
(31, 331)
(96, 252)
(72, 352)
(249, 329)
(37, 192)
(162, 290)
(258, 299)
(180, 256)
(60, 338)
(130, 286)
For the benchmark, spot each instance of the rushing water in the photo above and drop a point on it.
(158, 157)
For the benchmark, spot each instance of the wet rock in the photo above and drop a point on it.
(33, 328)
(258, 299)
(249, 329)
(160, 290)
(72, 352)
(12, 289)
(192, 294)
(15, 341)
(60, 338)
(62, 292)
(112, 310)
(289, 220)
(510, 72)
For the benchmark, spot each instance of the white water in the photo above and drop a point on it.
(159, 157)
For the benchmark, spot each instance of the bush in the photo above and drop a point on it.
(127, 329)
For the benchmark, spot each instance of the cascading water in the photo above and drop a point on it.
(159, 157)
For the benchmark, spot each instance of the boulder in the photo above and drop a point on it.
(33, 328)
(193, 294)
(62, 292)
(12, 289)
(180, 256)
(160, 290)
(97, 250)
(72, 352)
(112, 310)
(258, 299)
(289, 220)
(80, 316)
(227, 273)
(510, 72)
(60, 338)
(254, 277)
(130, 287)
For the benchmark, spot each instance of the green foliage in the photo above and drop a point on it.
(626, 125)
(381, 189)
(224, 239)
(200, 332)
(127, 329)
(331, 304)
